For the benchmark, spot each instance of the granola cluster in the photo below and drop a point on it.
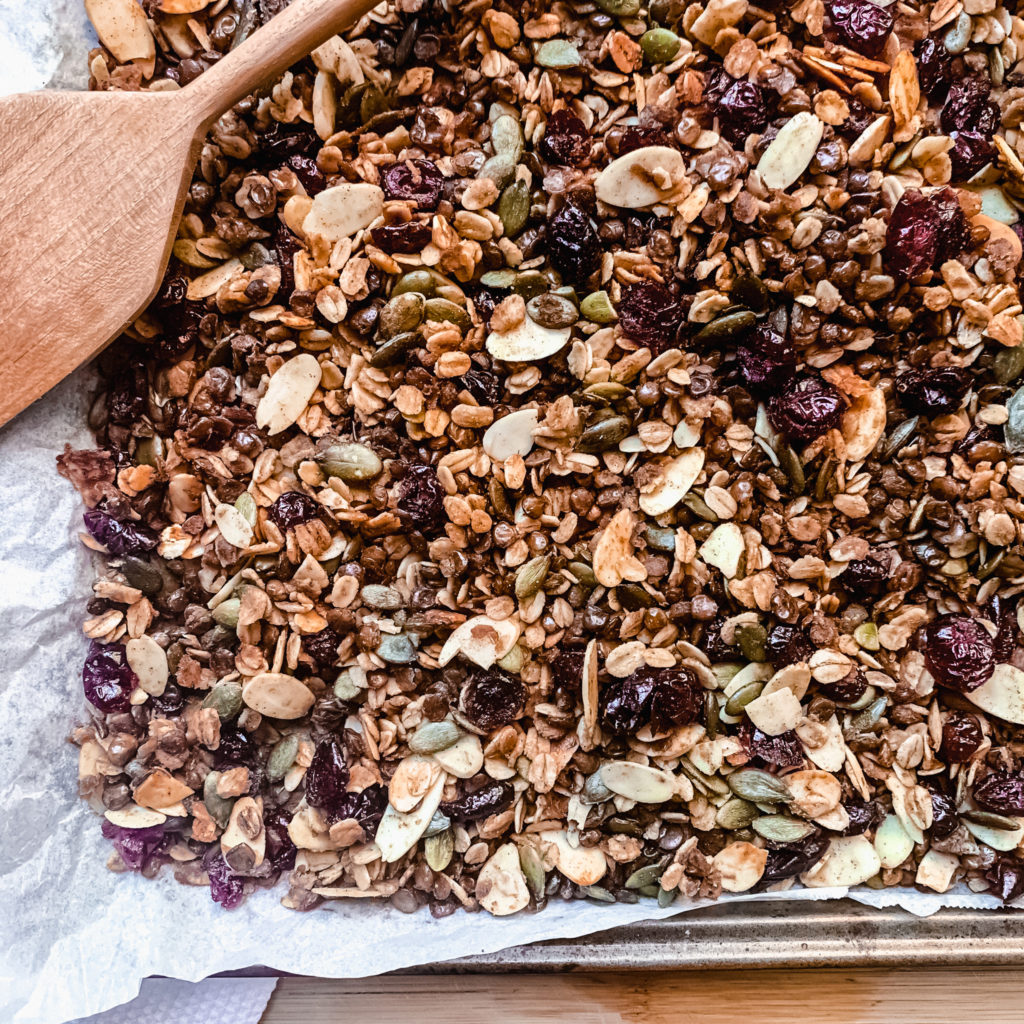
(575, 452)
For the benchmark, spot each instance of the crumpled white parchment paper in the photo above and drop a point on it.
(74, 938)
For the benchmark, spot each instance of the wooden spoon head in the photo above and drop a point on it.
(91, 195)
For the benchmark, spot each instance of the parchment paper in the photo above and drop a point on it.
(75, 938)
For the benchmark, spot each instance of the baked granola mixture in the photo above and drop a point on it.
(575, 453)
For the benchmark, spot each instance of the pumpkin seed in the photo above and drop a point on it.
(397, 649)
(987, 819)
(530, 576)
(507, 136)
(792, 467)
(142, 575)
(619, 8)
(1008, 364)
(603, 435)
(696, 504)
(218, 806)
(558, 54)
(513, 661)
(712, 714)
(778, 828)
(446, 311)
(752, 637)
(530, 283)
(513, 211)
(594, 789)
(226, 699)
(996, 66)
(725, 328)
(758, 786)
(422, 281)
(666, 897)
(598, 308)
(1013, 429)
(350, 461)
(659, 45)
(438, 824)
(431, 737)
(751, 292)
(438, 850)
(550, 310)
(376, 595)
(598, 893)
(607, 391)
(393, 350)
(150, 451)
(502, 279)
(402, 313)
(869, 717)
(736, 813)
(645, 876)
(743, 696)
(345, 686)
(282, 757)
(901, 436)
(226, 613)
(533, 870)
(584, 573)
(500, 168)
(661, 538)
(866, 635)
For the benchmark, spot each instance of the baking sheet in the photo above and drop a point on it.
(74, 938)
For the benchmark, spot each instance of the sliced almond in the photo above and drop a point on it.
(775, 713)
(863, 424)
(511, 435)
(588, 688)
(122, 28)
(999, 839)
(413, 779)
(234, 527)
(501, 885)
(134, 816)
(160, 789)
(482, 640)
(740, 866)
(936, 870)
(463, 759)
(527, 342)
(638, 782)
(998, 230)
(277, 695)
(904, 89)
(245, 829)
(724, 549)
(398, 833)
(584, 865)
(815, 792)
(148, 660)
(831, 755)
(304, 832)
(205, 285)
(183, 6)
(791, 151)
(641, 178)
(795, 677)
(1002, 695)
(614, 560)
(677, 476)
(341, 211)
(325, 104)
(849, 860)
(288, 393)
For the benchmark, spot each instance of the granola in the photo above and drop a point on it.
(576, 452)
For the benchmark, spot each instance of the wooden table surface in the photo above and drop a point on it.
(992, 995)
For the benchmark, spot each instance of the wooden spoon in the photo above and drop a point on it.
(91, 188)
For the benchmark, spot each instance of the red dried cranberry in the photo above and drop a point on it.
(408, 238)
(565, 140)
(484, 386)
(958, 651)
(1005, 619)
(862, 816)
(1007, 878)
(322, 647)
(326, 778)
(107, 677)
(292, 509)
(934, 67)
(280, 848)
(649, 314)
(912, 237)
(968, 108)
(284, 140)
(859, 120)
(492, 699)
(961, 737)
(641, 136)
(127, 394)
(418, 180)
(1001, 792)
(712, 644)
(768, 359)
(307, 171)
(868, 575)
(119, 537)
(944, 817)
(136, 846)
(286, 245)
(491, 798)
(236, 747)
(573, 244)
(861, 25)
(741, 111)
(847, 690)
(793, 859)
(932, 391)
(808, 408)
(366, 807)
(954, 231)
(786, 645)
(970, 153)
(226, 888)
(567, 670)
(421, 496)
(782, 751)
(663, 698)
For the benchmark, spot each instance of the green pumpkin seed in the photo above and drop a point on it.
(1008, 364)
(959, 34)
(606, 391)
(792, 467)
(725, 328)
(514, 211)
(666, 897)
(376, 595)
(825, 477)
(644, 876)
(397, 649)
(226, 613)
(869, 717)
(987, 568)
(752, 637)
(499, 499)
(634, 596)
(552, 311)
(345, 687)
(751, 292)
(598, 893)
(619, 8)
(530, 576)
(594, 790)
(584, 573)
(778, 828)
(514, 661)
(598, 308)
(282, 757)
(422, 281)
(661, 538)
(1013, 429)
(530, 283)
(226, 699)
(743, 696)
(696, 504)
(150, 451)
(438, 823)
(142, 575)
(660, 45)
(500, 168)
(866, 635)
(401, 314)
(736, 813)
(218, 806)
(438, 850)
(606, 434)
(712, 713)
(758, 787)
(996, 66)
(987, 819)
(558, 54)
(393, 350)
(900, 437)
(445, 311)
(350, 461)
(431, 737)
(533, 870)
(503, 279)
(507, 136)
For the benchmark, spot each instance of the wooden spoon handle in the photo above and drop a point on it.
(302, 26)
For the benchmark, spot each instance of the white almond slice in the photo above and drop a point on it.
(936, 870)
(584, 865)
(134, 816)
(775, 713)
(740, 866)
(892, 843)
(755, 672)
(999, 230)
(277, 695)
(994, 204)
(831, 755)
(849, 860)
(641, 178)
(288, 393)
(863, 424)
(588, 687)
(183, 6)
(791, 151)
(836, 820)
(482, 640)
(1000, 839)
(614, 560)
(795, 677)
(148, 660)
(496, 768)
(527, 342)
(303, 833)
(234, 527)
(236, 834)
(686, 434)
(511, 435)
(413, 779)
(341, 211)
(677, 477)
(122, 28)
(325, 104)
(724, 549)
(205, 285)
(815, 792)
(463, 759)
(398, 833)
(1002, 694)
(638, 782)
(501, 887)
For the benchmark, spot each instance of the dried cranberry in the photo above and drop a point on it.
(292, 509)
(958, 652)
(136, 846)
(286, 245)
(808, 408)
(107, 677)
(119, 537)
(127, 394)
(931, 391)
(786, 645)
(179, 317)
(970, 153)
(566, 140)
(912, 237)
(847, 690)
(741, 111)
(945, 820)
(859, 120)
(712, 644)
(408, 238)
(366, 807)
(768, 359)
(236, 747)
(492, 698)
(421, 496)
(649, 314)
(782, 751)
(280, 848)
(573, 245)
(1001, 792)
(1005, 619)
(418, 180)
(169, 703)
(861, 25)
(794, 859)
(490, 798)
(307, 171)
(638, 136)
(326, 778)
(868, 576)
(968, 108)
(322, 647)
(1007, 878)
(285, 140)
(226, 888)
(954, 231)
(934, 67)
(663, 698)
(484, 386)
(567, 670)
(862, 815)
(961, 736)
